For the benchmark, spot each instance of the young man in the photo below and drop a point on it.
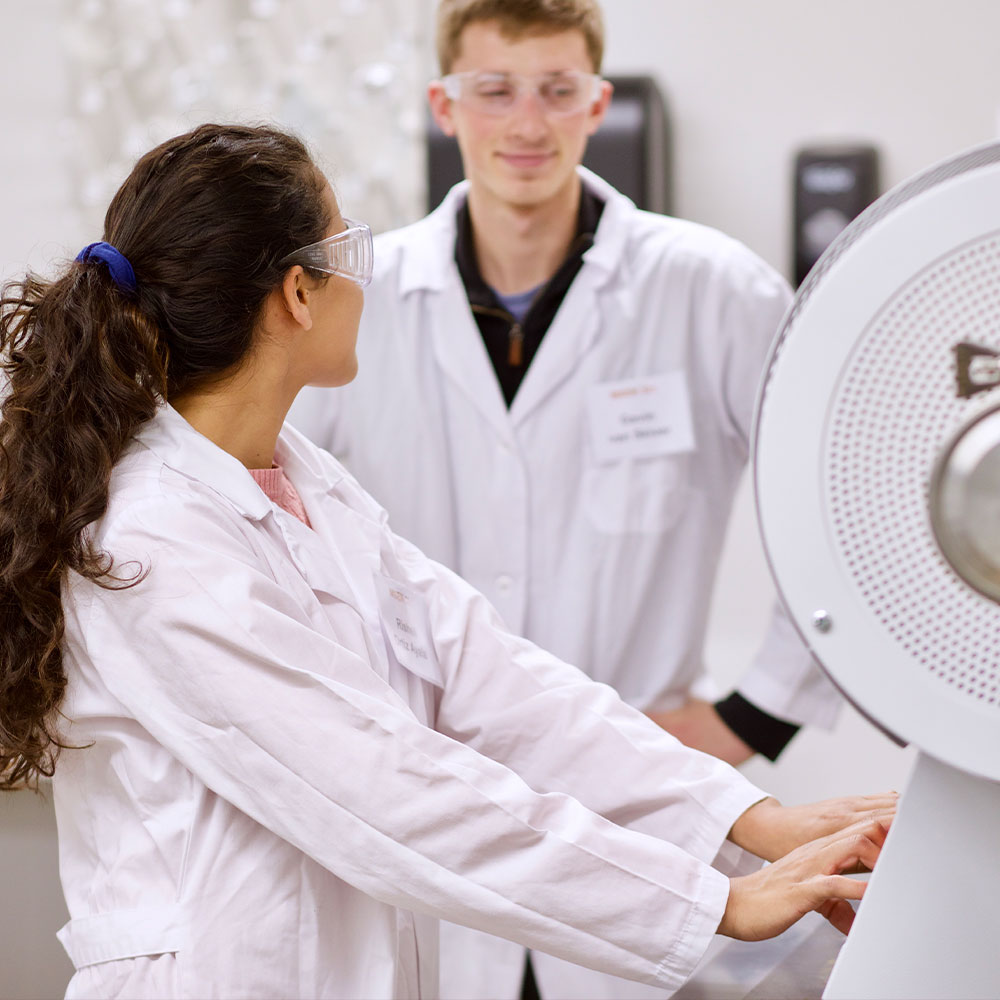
(554, 399)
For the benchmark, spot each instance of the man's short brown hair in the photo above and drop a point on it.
(517, 18)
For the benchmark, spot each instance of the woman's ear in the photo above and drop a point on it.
(294, 297)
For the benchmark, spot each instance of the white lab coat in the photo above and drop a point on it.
(267, 803)
(608, 564)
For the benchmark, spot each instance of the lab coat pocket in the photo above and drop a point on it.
(638, 495)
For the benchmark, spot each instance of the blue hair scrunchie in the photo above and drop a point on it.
(121, 270)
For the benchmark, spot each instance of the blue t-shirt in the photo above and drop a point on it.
(519, 303)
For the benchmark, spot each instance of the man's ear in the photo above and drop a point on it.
(599, 108)
(441, 107)
(293, 294)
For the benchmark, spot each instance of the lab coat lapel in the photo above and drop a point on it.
(341, 551)
(579, 323)
(462, 357)
(429, 270)
(325, 571)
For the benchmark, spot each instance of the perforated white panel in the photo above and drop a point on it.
(859, 401)
(892, 413)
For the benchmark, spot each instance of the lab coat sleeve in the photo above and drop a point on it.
(783, 679)
(225, 670)
(564, 733)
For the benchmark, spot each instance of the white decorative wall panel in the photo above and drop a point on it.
(348, 76)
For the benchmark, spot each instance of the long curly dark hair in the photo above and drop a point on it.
(204, 220)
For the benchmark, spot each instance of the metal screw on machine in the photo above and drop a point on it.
(822, 621)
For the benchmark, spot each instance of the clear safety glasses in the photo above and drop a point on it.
(348, 254)
(563, 93)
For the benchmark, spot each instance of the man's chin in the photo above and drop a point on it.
(528, 192)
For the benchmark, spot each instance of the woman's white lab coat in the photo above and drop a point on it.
(266, 802)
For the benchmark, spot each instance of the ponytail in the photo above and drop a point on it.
(84, 370)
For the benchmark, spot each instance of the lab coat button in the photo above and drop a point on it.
(504, 583)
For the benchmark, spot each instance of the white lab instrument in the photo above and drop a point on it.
(875, 459)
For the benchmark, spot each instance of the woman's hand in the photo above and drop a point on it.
(769, 901)
(771, 830)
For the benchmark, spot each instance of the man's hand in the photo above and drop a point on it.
(771, 830)
(769, 901)
(698, 725)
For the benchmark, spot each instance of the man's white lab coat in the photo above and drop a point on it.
(606, 559)
(266, 802)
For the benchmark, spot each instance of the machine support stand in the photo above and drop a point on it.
(927, 927)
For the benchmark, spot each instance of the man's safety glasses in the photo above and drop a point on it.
(348, 254)
(563, 93)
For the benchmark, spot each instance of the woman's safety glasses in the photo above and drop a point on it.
(563, 93)
(348, 254)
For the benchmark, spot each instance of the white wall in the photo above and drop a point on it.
(747, 84)
(38, 223)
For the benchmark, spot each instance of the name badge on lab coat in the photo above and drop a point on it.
(407, 626)
(641, 417)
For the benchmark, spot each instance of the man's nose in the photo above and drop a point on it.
(528, 116)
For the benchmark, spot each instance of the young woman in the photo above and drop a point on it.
(287, 741)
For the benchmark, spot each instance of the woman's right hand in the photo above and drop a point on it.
(811, 877)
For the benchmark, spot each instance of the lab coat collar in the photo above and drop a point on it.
(344, 568)
(182, 448)
(429, 257)
(309, 469)
(612, 231)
